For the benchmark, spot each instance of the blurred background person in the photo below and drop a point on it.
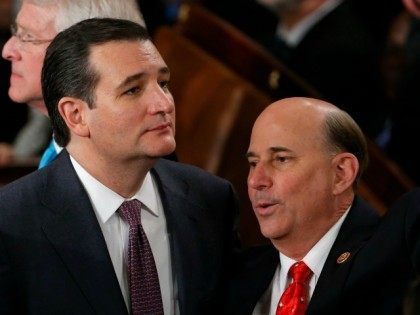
(37, 22)
(29, 141)
(330, 44)
(12, 116)
(406, 109)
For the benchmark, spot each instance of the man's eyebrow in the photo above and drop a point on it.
(25, 29)
(279, 149)
(131, 79)
(138, 76)
(271, 149)
(164, 70)
(250, 154)
(17, 27)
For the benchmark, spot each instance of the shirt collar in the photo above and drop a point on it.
(57, 148)
(316, 257)
(294, 35)
(105, 201)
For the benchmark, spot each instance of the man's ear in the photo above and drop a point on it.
(73, 111)
(345, 167)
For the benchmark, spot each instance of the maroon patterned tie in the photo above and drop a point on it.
(143, 279)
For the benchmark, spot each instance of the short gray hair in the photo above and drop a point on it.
(71, 12)
(343, 134)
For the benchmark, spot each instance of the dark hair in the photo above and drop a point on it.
(344, 135)
(67, 70)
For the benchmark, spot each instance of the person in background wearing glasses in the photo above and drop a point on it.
(24, 131)
(36, 25)
(109, 226)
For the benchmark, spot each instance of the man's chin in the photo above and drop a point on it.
(162, 152)
(34, 102)
(17, 97)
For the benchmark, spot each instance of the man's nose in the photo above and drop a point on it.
(259, 178)
(10, 50)
(161, 102)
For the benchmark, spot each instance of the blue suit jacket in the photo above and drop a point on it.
(54, 259)
(384, 257)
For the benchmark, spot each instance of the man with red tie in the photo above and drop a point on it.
(330, 249)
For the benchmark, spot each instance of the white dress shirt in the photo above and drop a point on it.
(314, 259)
(105, 203)
(293, 36)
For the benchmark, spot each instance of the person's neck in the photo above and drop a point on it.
(39, 105)
(124, 177)
(296, 246)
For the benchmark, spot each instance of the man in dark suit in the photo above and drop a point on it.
(36, 24)
(67, 244)
(306, 157)
(326, 43)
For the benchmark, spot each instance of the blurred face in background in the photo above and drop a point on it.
(31, 34)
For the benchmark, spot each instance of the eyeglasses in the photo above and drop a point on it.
(26, 38)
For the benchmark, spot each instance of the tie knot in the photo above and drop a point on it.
(130, 212)
(300, 272)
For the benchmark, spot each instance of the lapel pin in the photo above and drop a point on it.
(343, 257)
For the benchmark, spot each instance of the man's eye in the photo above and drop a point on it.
(26, 37)
(252, 163)
(282, 159)
(164, 84)
(133, 91)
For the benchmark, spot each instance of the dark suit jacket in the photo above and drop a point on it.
(257, 267)
(54, 259)
(383, 258)
(338, 57)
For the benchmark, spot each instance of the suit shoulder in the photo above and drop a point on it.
(188, 172)
(22, 186)
(365, 211)
(411, 197)
(407, 206)
(19, 202)
(197, 184)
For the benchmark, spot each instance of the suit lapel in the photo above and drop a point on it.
(190, 241)
(359, 226)
(75, 233)
(252, 277)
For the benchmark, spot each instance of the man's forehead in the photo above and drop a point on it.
(118, 60)
(135, 49)
(273, 134)
(298, 120)
(37, 19)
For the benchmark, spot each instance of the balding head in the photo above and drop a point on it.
(321, 121)
(303, 158)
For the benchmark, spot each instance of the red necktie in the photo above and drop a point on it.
(143, 279)
(294, 300)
